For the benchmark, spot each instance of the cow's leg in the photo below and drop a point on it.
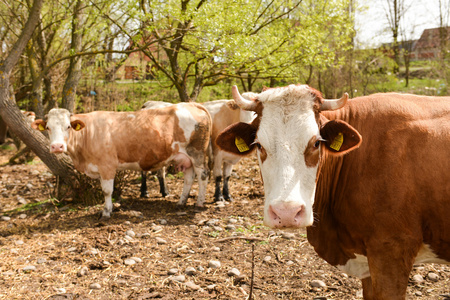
(189, 176)
(107, 188)
(217, 172)
(367, 288)
(144, 192)
(227, 168)
(202, 177)
(161, 174)
(390, 264)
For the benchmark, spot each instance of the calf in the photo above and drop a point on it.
(100, 143)
(372, 208)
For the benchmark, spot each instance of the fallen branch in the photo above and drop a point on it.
(239, 238)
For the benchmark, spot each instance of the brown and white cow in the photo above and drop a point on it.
(223, 114)
(100, 143)
(373, 207)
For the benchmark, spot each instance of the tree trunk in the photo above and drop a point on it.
(74, 72)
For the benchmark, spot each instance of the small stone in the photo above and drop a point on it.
(287, 235)
(214, 264)
(417, 278)
(218, 228)
(41, 260)
(157, 228)
(234, 272)
(200, 268)
(193, 227)
(5, 218)
(136, 259)
(211, 287)
(127, 223)
(172, 271)
(29, 268)
(181, 213)
(130, 233)
(212, 222)
(179, 278)
(192, 285)
(215, 249)
(22, 216)
(60, 290)
(433, 277)
(230, 227)
(83, 271)
(289, 263)
(72, 249)
(129, 262)
(190, 271)
(29, 186)
(162, 222)
(317, 283)
(267, 258)
(95, 286)
(418, 293)
(232, 221)
(22, 200)
(220, 204)
(160, 241)
(135, 213)
(19, 242)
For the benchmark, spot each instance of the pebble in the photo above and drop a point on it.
(289, 263)
(232, 221)
(136, 259)
(29, 268)
(41, 260)
(317, 283)
(192, 285)
(172, 271)
(128, 238)
(287, 235)
(181, 213)
(212, 222)
(418, 293)
(267, 258)
(19, 242)
(135, 213)
(157, 228)
(95, 286)
(162, 222)
(29, 186)
(190, 271)
(22, 200)
(22, 216)
(60, 290)
(127, 223)
(5, 218)
(179, 278)
(433, 277)
(230, 227)
(417, 278)
(215, 249)
(234, 272)
(130, 233)
(211, 287)
(129, 262)
(218, 228)
(214, 264)
(72, 249)
(220, 204)
(160, 240)
(200, 268)
(83, 271)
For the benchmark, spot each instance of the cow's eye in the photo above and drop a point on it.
(317, 144)
(258, 145)
(68, 127)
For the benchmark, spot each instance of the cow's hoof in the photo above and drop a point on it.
(144, 195)
(228, 198)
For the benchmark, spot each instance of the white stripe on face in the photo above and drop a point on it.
(58, 125)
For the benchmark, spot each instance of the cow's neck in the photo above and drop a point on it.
(323, 234)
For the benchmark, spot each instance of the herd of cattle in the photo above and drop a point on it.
(369, 177)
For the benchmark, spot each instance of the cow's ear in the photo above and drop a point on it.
(77, 125)
(339, 137)
(39, 125)
(237, 139)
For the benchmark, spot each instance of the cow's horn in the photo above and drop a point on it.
(242, 102)
(333, 104)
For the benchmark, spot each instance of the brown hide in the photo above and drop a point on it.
(391, 195)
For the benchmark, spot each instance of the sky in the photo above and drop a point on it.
(372, 26)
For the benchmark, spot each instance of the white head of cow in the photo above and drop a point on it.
(289, 134)
(58, 125)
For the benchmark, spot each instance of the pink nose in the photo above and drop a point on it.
(284, 215)
(56, 148)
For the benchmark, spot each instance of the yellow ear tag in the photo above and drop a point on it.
(240, 144)
(338, 141)
(78, 127)
(41, 128)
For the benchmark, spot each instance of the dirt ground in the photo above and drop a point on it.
(64, 251)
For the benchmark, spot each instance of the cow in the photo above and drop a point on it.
(223, 114)
(100, 143)
(368, 177)
(161, 173)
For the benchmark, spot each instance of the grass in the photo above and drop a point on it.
(31, 206)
